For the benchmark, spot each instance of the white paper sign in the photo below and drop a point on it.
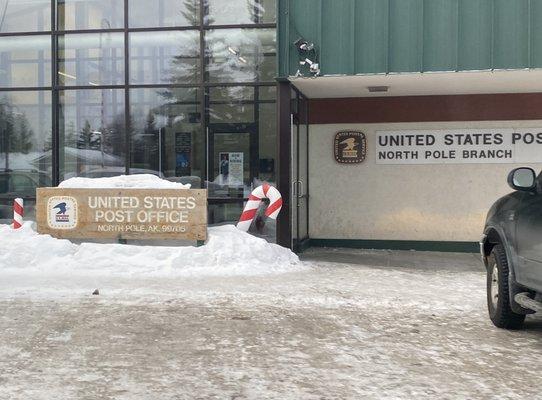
(236, 168)
(459, 146)
(231, 168)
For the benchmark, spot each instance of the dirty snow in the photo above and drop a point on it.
(356, 325)
(228, 251)
(138, 181)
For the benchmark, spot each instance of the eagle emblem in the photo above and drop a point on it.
(350, 144)
(62, 208)
(350, 147)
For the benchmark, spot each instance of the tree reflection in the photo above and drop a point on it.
(191, 12)
(107, 138)
(16, 136)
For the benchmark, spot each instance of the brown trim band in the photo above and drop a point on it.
(479, 107)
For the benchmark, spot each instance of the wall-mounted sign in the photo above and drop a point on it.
(122, 213)
(350, 147)
(459, 146)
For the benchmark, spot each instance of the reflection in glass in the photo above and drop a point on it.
(166, 137)
(164, 57)
(163, 13)
(25, 147)
(221, 214)
(90, 14)
(233, 104)
(241, 55)
(231, 93)
(228, 12)
(25, 61)
(91, 59)
(267, 92)
(241, 140)
(25, 15)
(230, 161)
(92, 133)
(267, 141)
(231, 137)
(228, 213)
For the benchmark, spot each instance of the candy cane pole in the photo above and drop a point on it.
(18, 212)
(264, 191)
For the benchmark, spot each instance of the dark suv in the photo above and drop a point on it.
(511, 249)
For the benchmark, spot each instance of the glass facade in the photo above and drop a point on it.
(183, 89)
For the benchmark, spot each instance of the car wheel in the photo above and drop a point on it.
(498, 294)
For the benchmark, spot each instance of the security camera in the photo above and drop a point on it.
(307, 53)
(303, 45)
(313, 66)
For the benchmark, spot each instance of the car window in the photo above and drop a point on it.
(22, 184)
(4, 183)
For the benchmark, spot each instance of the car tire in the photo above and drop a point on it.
(498, 293)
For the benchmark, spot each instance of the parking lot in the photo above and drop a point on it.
(356, 324)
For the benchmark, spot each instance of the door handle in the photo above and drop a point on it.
(294, 189)
(300, 192)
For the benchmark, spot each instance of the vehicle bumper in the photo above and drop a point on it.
(482, 244)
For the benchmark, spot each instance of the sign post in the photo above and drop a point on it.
(122, 213)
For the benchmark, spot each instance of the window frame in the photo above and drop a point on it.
(202, 84)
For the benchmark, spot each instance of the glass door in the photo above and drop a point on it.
(232, 166)
(300, 173)
(232, 158)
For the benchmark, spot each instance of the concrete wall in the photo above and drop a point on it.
(401, 202)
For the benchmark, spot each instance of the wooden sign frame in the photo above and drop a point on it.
(122, 213)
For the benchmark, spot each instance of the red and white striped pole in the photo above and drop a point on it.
(18, 212)
(264, 191)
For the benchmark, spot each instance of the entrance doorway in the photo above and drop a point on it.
(300, 171)
(232, 157)
(233, 169)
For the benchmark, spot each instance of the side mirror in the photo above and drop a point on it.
(522, 179)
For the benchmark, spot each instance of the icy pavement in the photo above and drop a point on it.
(404, 325)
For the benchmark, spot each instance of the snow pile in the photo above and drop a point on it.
(228, 251)
(140, 181)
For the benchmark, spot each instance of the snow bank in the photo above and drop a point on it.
(228, 252)
(140, 181)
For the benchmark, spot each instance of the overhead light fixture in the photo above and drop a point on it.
(67, 75)
(378, 89)
(237, 53)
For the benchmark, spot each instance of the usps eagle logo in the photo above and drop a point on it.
(350, 147)
(62, 215)
(62, 212)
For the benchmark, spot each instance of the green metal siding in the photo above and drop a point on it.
(382, 36)
(370, 26)
(510, 34)
(405, 31)
(475, 32)
(536, 34)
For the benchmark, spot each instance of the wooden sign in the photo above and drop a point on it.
(350, 147)
(122, 213)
